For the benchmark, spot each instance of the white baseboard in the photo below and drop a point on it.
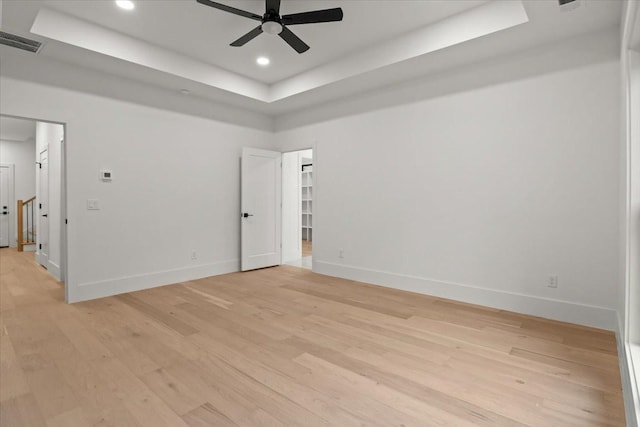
(105, 288)
(29, 248)
(632, 356)
(54, 269)
(583, 314)
(628, 377)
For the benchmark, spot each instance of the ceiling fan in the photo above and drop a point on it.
(273, 23)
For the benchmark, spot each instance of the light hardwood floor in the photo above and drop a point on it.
(285, 346)
(307, 248)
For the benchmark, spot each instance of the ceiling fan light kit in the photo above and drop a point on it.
(273, 23)
(272, 27)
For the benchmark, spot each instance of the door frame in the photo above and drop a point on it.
(11, 200)
(65, 271)
(39, 233)
(314, 180)
(285, 226)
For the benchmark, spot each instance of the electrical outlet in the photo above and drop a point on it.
(194, 255)
(341, 253)
(552, 281)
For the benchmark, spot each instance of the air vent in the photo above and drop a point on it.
(18, 42)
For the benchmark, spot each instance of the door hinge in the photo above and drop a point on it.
(39, 205)
(40, 246)
(66, 221)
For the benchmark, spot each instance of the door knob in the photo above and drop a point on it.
(246, 215)
(45, 215)
(5, 213)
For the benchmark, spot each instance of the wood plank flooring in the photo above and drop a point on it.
(307, 248)
(288, 347)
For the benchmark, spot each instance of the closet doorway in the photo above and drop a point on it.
(297, 208)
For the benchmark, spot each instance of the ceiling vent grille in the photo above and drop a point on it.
(18, 42)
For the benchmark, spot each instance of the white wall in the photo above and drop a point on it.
(175, 189)
(20, 153)
(479, 195)
(49, 137)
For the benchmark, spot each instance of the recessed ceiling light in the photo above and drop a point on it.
(263, 60)
(125, 4)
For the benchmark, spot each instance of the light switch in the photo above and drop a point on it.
(93, 204)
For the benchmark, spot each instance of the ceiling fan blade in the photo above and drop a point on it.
(272, 5)
(314, 17)
(248, 37)
(293, 40)
(230, 9)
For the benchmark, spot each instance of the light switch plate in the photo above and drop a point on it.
(93, 204)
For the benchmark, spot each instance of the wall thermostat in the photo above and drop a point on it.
(106, 175)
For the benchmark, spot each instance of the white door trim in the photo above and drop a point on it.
(316, 203)
(39, 202)
(291, 233)
(11, 200)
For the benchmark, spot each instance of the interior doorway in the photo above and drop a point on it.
(35, 202)
(297, 208)
(6, 196)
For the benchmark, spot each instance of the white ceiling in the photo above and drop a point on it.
(204, 33)
(17, 129)
(178, 44)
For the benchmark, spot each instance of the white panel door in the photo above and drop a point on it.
(261, 175)
(5, 183)
(43, 203)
